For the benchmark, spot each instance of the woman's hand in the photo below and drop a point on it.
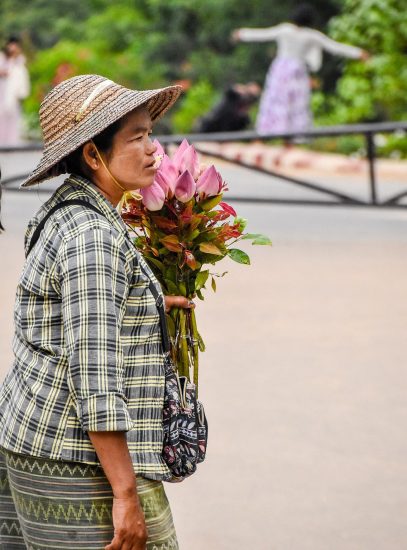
(235, 36)
(365, 55)
(130, 531)
(177, 301)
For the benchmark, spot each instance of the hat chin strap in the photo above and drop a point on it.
(136, 195)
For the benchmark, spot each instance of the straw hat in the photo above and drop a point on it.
(81, 107)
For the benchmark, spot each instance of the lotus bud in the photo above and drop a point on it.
(190, 161)
(208, 183)
(170, 174)
(160, 150)
(177, 157)
(185, 187)
(153, 197)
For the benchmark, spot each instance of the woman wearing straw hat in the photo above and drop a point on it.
(81, 407)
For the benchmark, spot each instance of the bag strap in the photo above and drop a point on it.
(158, 298)
(40, 226)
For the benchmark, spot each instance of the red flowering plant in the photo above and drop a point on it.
(182, 227)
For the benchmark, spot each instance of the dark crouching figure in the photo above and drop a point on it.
(231, 114)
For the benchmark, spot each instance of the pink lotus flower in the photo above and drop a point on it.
(190, 161)
(167, 176)
(208, 184)
(177, 157)
(160, 151)
(153, 197)
(185, 187)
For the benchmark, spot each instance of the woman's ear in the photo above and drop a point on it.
(90, 156)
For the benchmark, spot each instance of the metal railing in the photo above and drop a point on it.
(368, 130)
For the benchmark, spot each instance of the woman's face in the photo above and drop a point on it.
(13, 49)
(131, 159)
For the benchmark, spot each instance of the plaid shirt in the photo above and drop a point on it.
(87, 345)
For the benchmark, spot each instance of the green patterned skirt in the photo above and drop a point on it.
(67, 505)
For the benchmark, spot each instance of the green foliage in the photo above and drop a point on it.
(149, 43)
(239, 256)
(374, 90)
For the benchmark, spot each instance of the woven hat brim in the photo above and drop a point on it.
(157, 102)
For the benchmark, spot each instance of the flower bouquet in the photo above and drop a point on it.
(182, 227)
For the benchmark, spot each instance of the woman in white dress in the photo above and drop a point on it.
(285, 102)
(14, 87)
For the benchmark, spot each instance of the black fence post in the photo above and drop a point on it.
(371, 155)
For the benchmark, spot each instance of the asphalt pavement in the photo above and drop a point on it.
(304, 379)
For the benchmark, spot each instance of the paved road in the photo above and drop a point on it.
(304, 382)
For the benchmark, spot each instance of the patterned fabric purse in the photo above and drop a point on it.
(184, 420)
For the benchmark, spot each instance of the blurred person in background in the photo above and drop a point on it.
(285, 102)
(14, 87)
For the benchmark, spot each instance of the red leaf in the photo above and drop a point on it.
(172, 243)
(227, 208)
(164, 223)
(190, 260)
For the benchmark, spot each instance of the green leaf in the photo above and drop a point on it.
(263, 240)
(239, 256)
(156, 263)
(201, 343)
(171, 287)
(210, 203)
(213, 284)
(171, 273)
(182, 289)
(193, 235)
(251, 236)
(201, 279)
(200, 295)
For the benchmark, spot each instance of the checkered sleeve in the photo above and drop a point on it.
(94, 288)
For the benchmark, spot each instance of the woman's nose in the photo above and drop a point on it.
(151, 146)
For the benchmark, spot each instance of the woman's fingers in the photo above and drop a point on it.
(119, 544)
(114, 545)
(178, 301)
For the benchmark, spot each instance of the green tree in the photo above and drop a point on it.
(376, 89)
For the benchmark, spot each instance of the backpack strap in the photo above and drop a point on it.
(40, 226)
(158, 298)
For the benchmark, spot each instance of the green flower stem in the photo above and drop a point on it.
(195, 347)
(183, 366)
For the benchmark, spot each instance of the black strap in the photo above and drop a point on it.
(163, 322)
(158, 298)
(40, 226)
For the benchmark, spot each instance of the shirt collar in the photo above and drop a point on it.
(76, 187)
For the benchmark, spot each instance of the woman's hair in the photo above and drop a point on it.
(103, 141)
(303, 15)
(12, 39)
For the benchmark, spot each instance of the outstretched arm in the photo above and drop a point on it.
(336, 48)
(256, 35)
